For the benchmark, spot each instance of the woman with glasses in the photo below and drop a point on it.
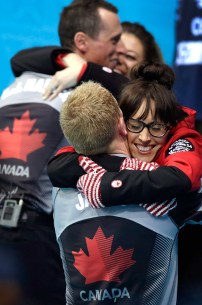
(158, 130)
(150, 110)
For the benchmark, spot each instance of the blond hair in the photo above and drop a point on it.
(89, 118)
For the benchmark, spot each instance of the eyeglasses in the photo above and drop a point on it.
(155, 129)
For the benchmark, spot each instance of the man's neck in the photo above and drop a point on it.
(119, 147)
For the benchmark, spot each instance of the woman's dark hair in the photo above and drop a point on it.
(152, 51)
(152, 82)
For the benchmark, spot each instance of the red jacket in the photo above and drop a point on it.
(184, 149)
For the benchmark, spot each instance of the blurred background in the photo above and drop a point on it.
(26, 24)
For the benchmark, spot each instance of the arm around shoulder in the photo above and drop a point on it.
(38, 59)
(128, 187)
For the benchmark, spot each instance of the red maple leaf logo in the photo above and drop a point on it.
(101, 265)
(20, 142)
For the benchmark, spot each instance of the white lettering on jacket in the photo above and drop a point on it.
(31, 84)
(196, 26)
(189, 53)
(14, 170)
(103, 294)
(83, 203)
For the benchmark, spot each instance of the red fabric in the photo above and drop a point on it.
(66, 149)
(83, 69)
(188, 162)
(59, 60)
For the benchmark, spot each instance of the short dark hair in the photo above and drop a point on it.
(152, 51)
(81, 15)
(152, 82)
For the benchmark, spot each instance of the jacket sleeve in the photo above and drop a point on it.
(43, 60)
(166, 182)
(188, 208)
(136, 186)
(64, 170)
(112, 81)
(38, 59)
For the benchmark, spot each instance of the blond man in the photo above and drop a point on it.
(116, 253)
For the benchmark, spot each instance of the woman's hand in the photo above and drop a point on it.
(66, 78)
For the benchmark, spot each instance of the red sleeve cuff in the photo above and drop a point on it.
(83, 69)
(59, 60)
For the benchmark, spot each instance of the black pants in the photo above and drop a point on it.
(31, 260)
(190, 265)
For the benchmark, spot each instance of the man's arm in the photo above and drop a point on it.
(142, 186)
(39, 59)
(44, 60)
(166, 182)
(112, 81)
(138, 186)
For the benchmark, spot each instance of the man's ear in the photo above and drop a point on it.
(80, 41)
(122, 126)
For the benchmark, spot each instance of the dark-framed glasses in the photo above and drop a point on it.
(155, 129)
